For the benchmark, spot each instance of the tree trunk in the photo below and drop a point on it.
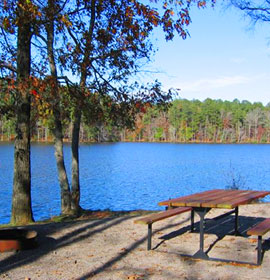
(59, 156)
(21, 198)
(75, 194)
(75, 189)
(58, 129)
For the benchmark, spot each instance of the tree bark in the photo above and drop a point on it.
(58, 129)
(59, 156)
(21, 197)
(75, 190)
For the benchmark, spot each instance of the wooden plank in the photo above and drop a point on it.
(217, 198)
(225, 200)
(197, 199)
(261, 228)
(162, 215)
(204, 199)
(181, 200)
(210, 201)
(253, 195)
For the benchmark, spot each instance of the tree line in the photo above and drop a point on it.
(184, 121)
(214, 121)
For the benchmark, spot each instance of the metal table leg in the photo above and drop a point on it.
(259, 253)
(201, 212)
(236, 222)
(192, 220)
(149, 237)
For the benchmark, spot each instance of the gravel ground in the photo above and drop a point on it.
(102, 247)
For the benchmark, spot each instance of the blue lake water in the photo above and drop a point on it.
(128, 176)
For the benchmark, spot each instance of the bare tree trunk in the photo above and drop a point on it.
(75, 194)
(75, 189)
(21, 198)
(59, 156)
(46, 134)
(58, 129)
(2, 128)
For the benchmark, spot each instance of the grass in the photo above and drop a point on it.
(84, 215)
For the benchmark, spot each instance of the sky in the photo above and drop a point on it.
(225, 58)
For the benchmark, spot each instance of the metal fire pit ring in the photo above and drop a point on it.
(17, 239)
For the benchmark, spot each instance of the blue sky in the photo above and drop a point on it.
(224, 58)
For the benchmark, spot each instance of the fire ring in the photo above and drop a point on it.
(17, 239)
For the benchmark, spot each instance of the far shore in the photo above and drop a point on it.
(33, 141)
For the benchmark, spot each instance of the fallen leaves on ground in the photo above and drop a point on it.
(135, 277)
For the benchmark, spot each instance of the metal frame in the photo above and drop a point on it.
(192, 220)
(202, 211)
(200, 254)
(226, 203)
(149, 237)
(259, 250)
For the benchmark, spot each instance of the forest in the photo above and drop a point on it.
(184, 121)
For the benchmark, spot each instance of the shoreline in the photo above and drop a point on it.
(86, 214)
(152, 142)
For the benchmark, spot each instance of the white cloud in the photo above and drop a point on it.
(215, 83)
(238, 60)
(255, 88)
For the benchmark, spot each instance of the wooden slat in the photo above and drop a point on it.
(162, 215)
(210, 201)
(182, 200)
(217, 199)
(227, 195)
(261, 228)
(244, 200)
(197, 199)
(225, 201)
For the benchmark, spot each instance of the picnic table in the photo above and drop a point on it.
(201, 203)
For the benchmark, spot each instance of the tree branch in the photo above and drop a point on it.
(7, 66)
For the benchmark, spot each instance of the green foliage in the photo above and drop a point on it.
(159, 134)
(183, 121)
(208, 121)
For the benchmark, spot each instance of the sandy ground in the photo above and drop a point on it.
(115, 248)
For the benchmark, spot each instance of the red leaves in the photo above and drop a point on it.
(69, 47)
(7, 25)
(201, 4)
(154, 17)
(34, 92)
(65, 20)
(171, 12)
(129, 13)
(142, 107)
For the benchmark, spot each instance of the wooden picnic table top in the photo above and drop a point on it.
(218, 198)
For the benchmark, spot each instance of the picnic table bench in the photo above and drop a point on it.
(150, 219)
(201, 203)
(259, 230)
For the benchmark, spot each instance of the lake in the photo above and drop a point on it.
(129, 176)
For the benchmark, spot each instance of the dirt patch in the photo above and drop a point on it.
(108, 245)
